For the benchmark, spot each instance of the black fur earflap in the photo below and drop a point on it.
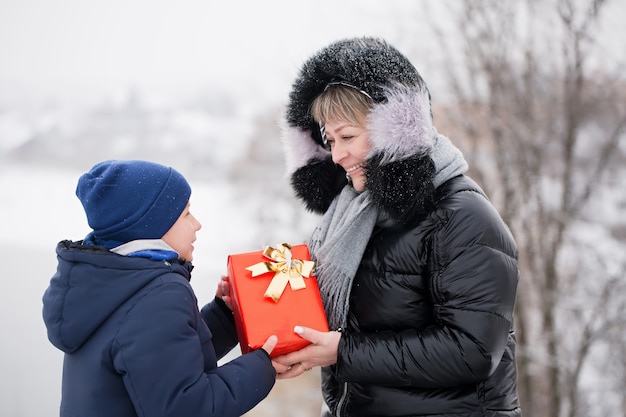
(317, 184)
(403, 189)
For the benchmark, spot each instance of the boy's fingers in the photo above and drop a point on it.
(270, 344)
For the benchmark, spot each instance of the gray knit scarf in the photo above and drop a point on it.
(338, 243)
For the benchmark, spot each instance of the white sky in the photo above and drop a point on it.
(65, 49)
(77, 47)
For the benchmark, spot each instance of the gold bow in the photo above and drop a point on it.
(286, 269)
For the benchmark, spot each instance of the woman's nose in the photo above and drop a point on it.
(338, 152)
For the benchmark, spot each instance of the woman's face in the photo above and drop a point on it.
(349, 146)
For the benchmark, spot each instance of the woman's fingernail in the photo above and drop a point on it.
(298, 329)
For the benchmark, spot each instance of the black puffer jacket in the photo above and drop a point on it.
(430, 329)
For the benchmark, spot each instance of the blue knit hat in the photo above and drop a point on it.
(129, 200)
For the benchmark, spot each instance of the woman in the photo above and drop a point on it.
(418, 272)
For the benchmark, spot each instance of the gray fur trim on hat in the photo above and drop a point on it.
(300, 149)
(402, 125)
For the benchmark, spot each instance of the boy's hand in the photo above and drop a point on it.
(270, 344)
(223, 291)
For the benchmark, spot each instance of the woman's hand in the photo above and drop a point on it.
(321, 352)
(223, 291)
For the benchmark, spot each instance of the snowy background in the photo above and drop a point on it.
(198, 85)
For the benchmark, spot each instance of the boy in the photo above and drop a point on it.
(121, 307)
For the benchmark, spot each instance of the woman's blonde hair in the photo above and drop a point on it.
(341, 102)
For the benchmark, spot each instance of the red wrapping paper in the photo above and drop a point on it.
(258, 317)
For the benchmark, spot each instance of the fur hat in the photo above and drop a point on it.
(130, 200)
(399, 171)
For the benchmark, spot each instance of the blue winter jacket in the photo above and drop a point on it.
(136, 344)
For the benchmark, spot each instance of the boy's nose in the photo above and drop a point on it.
(196, 223)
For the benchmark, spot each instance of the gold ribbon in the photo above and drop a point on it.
(286, 269)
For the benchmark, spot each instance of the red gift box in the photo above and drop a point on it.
(258, 316)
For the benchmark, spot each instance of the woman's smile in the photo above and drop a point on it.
(352, 168)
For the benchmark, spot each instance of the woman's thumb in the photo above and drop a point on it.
(304, 332)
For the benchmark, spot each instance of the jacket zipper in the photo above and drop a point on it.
(342, 399)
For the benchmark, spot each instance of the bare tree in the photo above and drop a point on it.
(542, 127)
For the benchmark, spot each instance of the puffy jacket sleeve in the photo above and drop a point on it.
(166, 359)
(220, 320)
(473, 282)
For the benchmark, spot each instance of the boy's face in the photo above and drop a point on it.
(182, 234)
